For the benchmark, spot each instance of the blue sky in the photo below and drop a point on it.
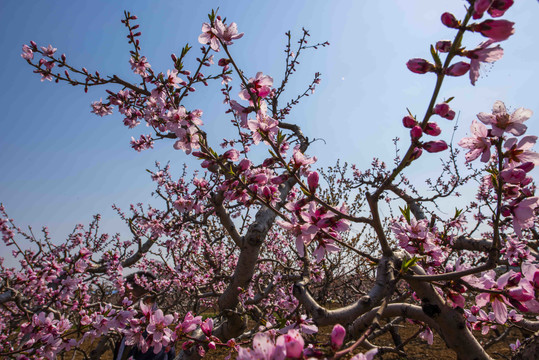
(60, 164)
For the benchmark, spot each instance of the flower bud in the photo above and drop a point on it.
(441, 109)
(497, 30)
(432, 129)
(527, 166)
(337, 336)
(443, 46)
(416, 154)
(419, 66)
(312, 181)
(416, 132)
(408, 122)
(450, 20)
(435, 146)
(458, 69)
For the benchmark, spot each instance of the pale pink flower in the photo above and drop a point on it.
(501, 121)
(294, 344)
(478, 143)
(158, 327)
(260, 86)
(101, 109)
(483, 53)
(264, 349)
(226, 33)
(521, 153)
(208, 37)
(369, 355)
(139, 66)
(27, 52)
(48, 51)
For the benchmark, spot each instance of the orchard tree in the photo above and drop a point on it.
(260, 243)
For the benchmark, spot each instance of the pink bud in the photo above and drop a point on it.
(435, 146)
(419, 66)
(207, 327)
(450, 115)
(416, 132)
(506, 211)
(232, 155)
(416, 154)
(497, 30)
(458, 69)
(337, 336)
(443, 46)
(527, 166)
(450, 20)
(408, 122)
(432, 129)
(441, 109)
(312, 181)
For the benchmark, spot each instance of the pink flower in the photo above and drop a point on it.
(139, 66)
(419, 66)
(207, 327)
(458, 69)
(226, 33)
(483, 53)
(521, 153)
(494, 8)
(501, 121)
(369, 355)
(100, 109)
(435, 146)
(337, 336)
(479, 143)
(497, 30)
(264, 348)
(523, 214)
(48, 51)
(427, 335)
(294, 344)
(260, 86)
(208, 37)
(27, 52)
(158, 327)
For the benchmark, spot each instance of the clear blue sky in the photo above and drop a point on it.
(59, 164)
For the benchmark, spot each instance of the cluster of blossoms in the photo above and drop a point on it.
(215, 254)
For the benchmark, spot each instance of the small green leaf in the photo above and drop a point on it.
(449, 100)
(406, 213)
(435, 56)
